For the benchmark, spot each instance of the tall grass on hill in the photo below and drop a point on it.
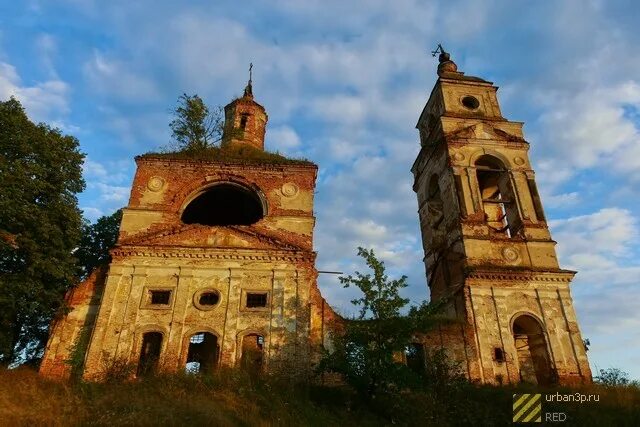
(231, 398)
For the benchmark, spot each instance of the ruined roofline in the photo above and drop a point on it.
(266, 162)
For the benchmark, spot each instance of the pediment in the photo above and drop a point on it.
(483, 131)
(201, 236)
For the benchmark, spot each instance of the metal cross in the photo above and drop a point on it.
(439, 49)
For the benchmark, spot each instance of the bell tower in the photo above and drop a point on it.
(245, 120)
(489, 256)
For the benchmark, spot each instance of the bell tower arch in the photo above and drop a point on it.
(488, 249)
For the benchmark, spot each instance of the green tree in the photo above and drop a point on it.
(96, 241)
(367, 351)
(194, 126)
(612, 377)
(40, 175)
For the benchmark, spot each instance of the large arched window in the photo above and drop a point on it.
(497, 196)
(224, 204)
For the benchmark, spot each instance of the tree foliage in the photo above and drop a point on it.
(40, 223)
(612, 377)
(194, 127)
(368, 351)
(96, 241)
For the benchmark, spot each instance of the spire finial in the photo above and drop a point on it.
(445, 63)
(248, 91)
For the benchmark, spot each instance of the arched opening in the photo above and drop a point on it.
(434, 203)
(415, 357)
(252, 353)
(531, 349)
(149, 353)
(497, 196)
(224, 204)
(202, 356)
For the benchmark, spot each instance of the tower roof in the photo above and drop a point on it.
(447, 69)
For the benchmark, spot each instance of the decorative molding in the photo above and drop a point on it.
(203, 253)
(523, 276)
(289, 190)
(155, 183)
(511, 254)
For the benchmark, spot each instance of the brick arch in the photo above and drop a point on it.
(473, 158)
(188, 192)
(526, 313)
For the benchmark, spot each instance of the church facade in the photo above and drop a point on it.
(215, 266)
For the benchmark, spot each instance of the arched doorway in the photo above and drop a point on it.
(531, 349)
(252, 353)
(202, 356)
(149, 353)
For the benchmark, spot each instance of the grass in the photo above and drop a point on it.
(240, 154)
(231, 398)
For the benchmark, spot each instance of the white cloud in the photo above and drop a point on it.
(283, 139)
(115, 78)
(607, 232)
(92, 213)
(111, 193)
(43, 101)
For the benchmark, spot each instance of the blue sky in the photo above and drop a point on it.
(343, 83)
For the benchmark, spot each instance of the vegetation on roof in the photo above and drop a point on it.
(240, 154)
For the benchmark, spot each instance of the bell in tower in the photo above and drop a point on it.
(489, 256)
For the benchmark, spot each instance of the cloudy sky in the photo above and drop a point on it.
(343, 83)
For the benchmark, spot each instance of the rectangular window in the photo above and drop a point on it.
(160, 297)
(256, 299)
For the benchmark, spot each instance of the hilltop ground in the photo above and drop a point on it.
(230, 399)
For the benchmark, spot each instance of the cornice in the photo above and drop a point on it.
(233, 254)
(522, 275)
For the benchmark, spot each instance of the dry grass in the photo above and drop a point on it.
(239, 154)
(231, 399)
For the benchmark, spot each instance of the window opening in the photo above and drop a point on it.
(255, 300)
(209, 298)
(498, 200)
(160, 297)
(243, 121)
(535, 197)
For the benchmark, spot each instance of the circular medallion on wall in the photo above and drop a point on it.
(289, 189)
(518, 161)
(155, 183)
(510, 254)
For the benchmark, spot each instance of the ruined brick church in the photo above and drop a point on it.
(214, 264)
